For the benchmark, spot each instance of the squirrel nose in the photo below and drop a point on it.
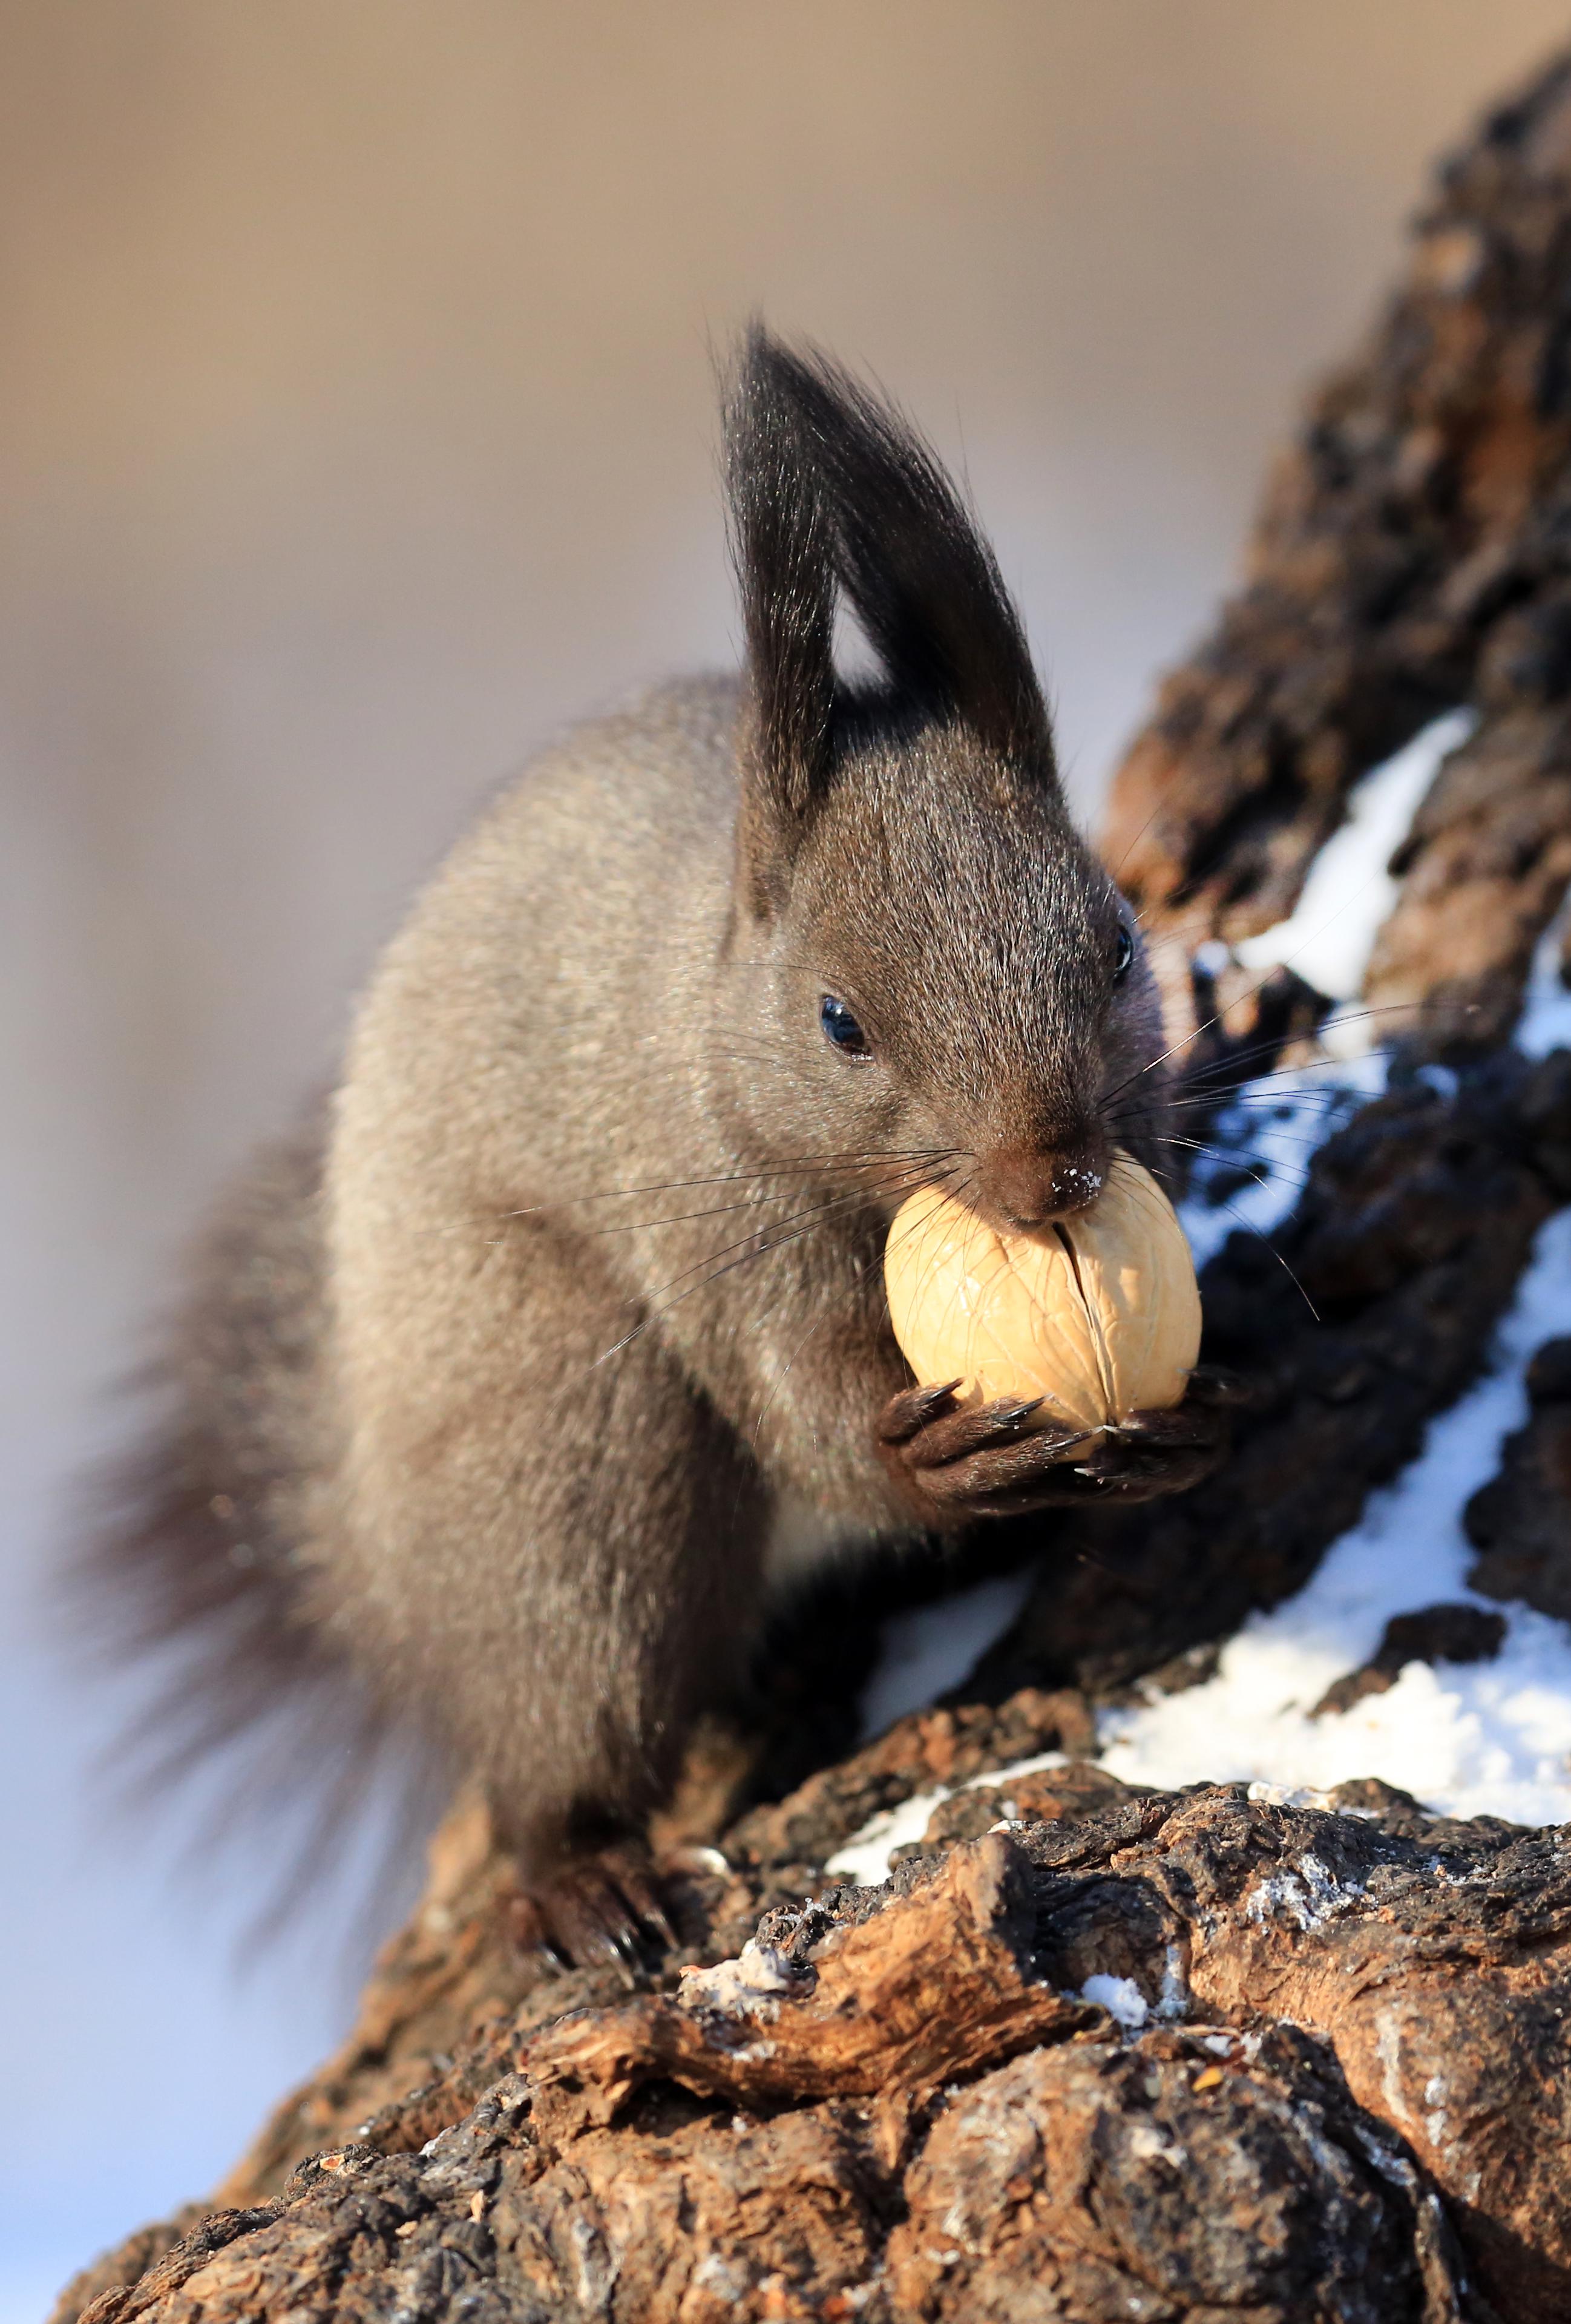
(1028, 1184)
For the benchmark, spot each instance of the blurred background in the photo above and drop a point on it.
(356, 430)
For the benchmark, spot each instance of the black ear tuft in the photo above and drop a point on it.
(925, 585)
(782, 548)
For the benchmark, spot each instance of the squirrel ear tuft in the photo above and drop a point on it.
(830, 489)
(782, 550)
(925, 585)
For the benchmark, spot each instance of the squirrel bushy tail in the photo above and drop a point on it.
(191, 1551)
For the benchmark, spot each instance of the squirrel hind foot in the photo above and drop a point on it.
(601, 1909)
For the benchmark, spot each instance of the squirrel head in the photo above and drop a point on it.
(930, 960)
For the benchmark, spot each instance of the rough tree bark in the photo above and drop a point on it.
(1091, 2054)
(1338, 2085)
(1413, 554)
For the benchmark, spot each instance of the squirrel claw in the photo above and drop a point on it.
(952, 1462)
(913, 1410)
(635, 1879)
(1155, 1452)
(598, 1911)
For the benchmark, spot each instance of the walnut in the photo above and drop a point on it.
(1098, 1313)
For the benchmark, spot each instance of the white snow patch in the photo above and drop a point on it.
(1271, 1129)
(1308, 1897)
(1148, 2145)
(1546, 1018)
(1480, 1738)
(928, 1651)
(1120, 1996)
(1349, 892)
(864, 1859)
(749, 1986)
(1273, 1126)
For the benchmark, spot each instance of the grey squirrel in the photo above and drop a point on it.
(508, 1393)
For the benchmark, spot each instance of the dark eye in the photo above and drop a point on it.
(841, 1027)
(1123, 954)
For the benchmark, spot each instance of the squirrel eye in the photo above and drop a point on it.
(1123, 954)
(841, 1027)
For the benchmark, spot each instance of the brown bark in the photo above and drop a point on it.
(1349, 2099)
(1413, 553)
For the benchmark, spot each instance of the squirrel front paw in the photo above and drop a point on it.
(952, 1461)
(601, 1909)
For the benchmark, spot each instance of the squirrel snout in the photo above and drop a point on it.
(1028, 1184)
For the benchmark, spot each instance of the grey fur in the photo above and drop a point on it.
(584, 1308)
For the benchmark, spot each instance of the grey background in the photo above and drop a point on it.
(355, 430)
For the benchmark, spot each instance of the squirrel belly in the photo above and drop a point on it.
(561, 1339)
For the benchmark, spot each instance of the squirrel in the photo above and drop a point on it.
(508, 1393)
